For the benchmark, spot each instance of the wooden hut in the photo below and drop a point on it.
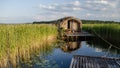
(70, 24)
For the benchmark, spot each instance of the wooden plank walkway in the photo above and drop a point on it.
(78, 34)
(79, 61)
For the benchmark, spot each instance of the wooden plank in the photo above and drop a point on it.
(94, 62)
(71, 65)
(78, 34)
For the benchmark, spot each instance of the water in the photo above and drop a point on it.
(61, 54)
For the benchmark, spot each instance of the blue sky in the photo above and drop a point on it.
(25, 11)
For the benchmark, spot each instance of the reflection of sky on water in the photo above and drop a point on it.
(98, 50)
(60, 55)
(63, 58)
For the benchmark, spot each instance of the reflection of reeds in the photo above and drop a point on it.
(110, 32)
(18, 41)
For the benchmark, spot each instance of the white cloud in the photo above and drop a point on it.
(42, 6)
(98, 1)
(62, 7)
(76, 3)
(94, 9)
(77, 8)
(47, 7)
(88, 14)
(51, 7)
(102, 5)
(104, 2)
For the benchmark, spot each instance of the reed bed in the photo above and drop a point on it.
(20, 40)
(110, 32)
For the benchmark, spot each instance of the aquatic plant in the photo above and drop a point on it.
(110, 32)
(20, 40)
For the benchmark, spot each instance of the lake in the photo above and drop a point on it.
(59, 55)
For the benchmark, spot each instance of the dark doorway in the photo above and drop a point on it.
(68, 24)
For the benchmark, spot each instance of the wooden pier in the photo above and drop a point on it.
(79, 61)
(81, 34)
(77, 35)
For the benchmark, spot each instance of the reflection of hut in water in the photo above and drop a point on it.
(71, 46)
(70, 24)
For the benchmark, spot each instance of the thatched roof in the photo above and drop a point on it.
(67, 18)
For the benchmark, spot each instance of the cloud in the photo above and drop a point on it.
(62, 7)
(103, 5)
(98, 1)
(49, 7)
(52, 15)
(88, 14)
(76, 8)
(94, 5)
(46, 10)
(95, 9)
(76, 3)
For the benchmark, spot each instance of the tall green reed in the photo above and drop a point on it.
(20, 40)
(110, 32)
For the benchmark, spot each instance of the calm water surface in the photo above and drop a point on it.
(62, 53)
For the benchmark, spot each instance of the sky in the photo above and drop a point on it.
(27, 11)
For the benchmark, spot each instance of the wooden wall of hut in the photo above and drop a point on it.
(71, 24)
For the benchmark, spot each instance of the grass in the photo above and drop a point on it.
(110, 32)
(21, 39)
